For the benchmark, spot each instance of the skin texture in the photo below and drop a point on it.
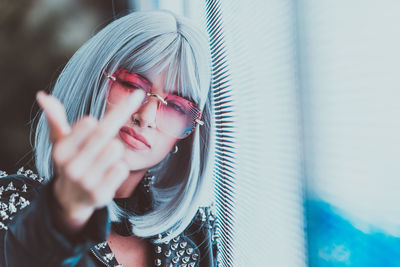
(87, 157)
(93, 163)
(160, 142)
(86, 145)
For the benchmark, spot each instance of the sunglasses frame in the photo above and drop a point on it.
(162, 100)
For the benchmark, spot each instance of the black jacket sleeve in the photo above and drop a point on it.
(28, 234)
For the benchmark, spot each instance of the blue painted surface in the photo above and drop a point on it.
(334, 242)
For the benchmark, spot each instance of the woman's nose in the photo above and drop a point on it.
(145, 116)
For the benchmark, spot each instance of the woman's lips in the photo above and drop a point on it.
(133, 139)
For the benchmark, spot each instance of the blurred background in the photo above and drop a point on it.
(307, 117)
(37, 39)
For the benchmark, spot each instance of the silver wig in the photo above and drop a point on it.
(147, 43)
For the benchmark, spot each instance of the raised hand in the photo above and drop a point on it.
(87, 157)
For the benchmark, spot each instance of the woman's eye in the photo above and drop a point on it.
(130, 85)
(176, 107)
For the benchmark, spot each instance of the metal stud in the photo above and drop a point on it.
(157, 262)
(195, 256)
(24, 188)
(214, 237)
(175, 259)
(181, 252)
(2, 226)
(158, 249)
(23, 202)
(12, 208)
(3, 174)
(167, 253)
(183, 244)
(10, 187)
(176, 239)
(191, 264)
(202, 214)
(3, 215)
(185, 259)
(109, 256)
(20, 170)
(13, 197)
(189, 251)
(101, 245)
(174, 246)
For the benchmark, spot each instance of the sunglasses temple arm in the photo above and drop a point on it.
(200, 122)
(109, 76)
(159, 97)
(148, 94)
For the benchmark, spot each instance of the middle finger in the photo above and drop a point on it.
(108, 128)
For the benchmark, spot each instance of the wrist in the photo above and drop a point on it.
(70, 219)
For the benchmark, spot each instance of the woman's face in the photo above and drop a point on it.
(145, 145)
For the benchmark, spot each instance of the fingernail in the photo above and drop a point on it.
(39, 98)
(40, 95)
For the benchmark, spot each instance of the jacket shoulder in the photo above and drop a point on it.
(16, 192)
(203, 233)
(206, 222)
(196, 246)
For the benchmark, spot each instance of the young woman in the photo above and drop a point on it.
(124, 137)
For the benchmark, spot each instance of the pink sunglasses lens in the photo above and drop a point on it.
(177, 118)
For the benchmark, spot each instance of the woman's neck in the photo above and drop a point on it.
(129, 185)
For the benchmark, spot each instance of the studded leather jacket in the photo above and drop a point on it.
(29, 236)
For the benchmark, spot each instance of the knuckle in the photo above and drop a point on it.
(72, 172)
(93, 196)
(89, 121)
(57, 154)
(86, 122)
(101, 132)
(88, 182)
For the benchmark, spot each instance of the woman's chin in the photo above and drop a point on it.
(138, 161)
(134, 160)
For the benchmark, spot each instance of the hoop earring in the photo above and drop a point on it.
(176, 149)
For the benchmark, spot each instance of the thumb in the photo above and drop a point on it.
(55, 115)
